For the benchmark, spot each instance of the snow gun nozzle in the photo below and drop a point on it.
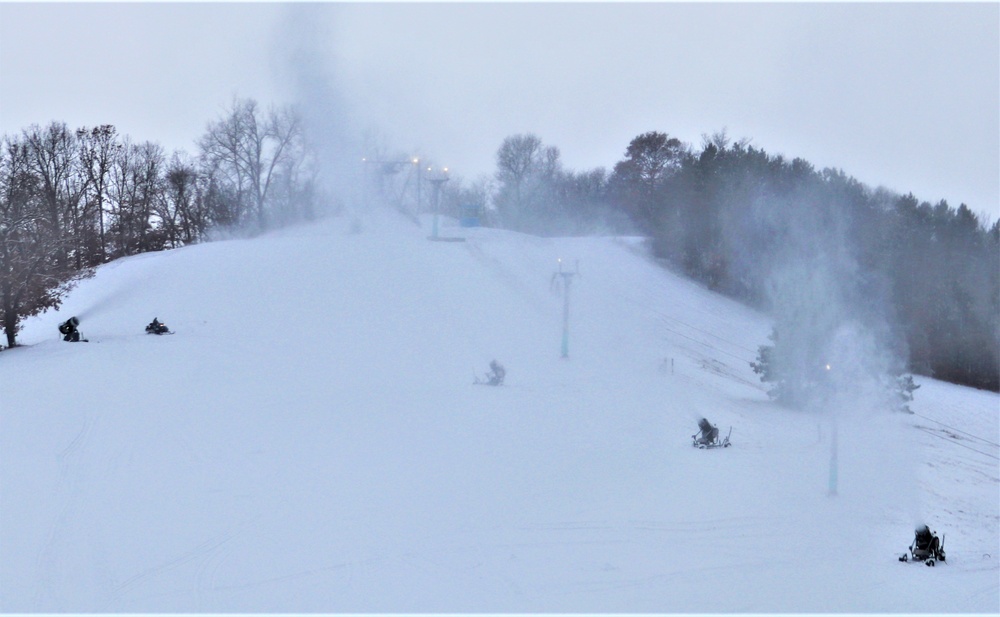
(69, 325)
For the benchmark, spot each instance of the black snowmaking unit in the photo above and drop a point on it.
(926, 547)
(494, 378)
(708, 436)
(70, 331)
(157, 327)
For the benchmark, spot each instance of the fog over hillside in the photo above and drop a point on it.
(314, 434)
(310, 439)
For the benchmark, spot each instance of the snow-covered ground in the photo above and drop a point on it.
(310, 440)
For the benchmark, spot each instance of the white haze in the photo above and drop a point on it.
(831, 327)
(896, 94)
(831, 316)
(329, 119)
(310, 440)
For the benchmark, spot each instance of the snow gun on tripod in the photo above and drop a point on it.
(70, 330)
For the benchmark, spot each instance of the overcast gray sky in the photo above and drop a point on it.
(905, 96)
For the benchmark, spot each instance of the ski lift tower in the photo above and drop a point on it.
(567, 278)
(416, 163)
(832, 481)
(437, 179)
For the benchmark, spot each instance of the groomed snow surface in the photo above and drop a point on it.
(310, 440)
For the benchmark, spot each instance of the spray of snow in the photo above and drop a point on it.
(322, 99)
(838, 346)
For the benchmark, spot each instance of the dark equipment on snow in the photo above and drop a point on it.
(495, 376)
(155, 327)
(70, 332)
(926, 547)
(708, 436)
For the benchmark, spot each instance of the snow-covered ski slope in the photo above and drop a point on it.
(310, 440)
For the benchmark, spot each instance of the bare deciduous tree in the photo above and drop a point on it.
(246, 150)
(52, 155)
(34, 275)
(528, 173)
(98, 149)
(181, 210)
(516, 158)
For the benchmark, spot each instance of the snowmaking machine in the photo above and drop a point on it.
(926, 547)
(708, 436)
(494, 377)
(157, 327)
(70, 331)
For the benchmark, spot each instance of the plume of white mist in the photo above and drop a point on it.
(839, 352)
(105, 303)
(837, 347)
(322, 100)
(833, 351)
